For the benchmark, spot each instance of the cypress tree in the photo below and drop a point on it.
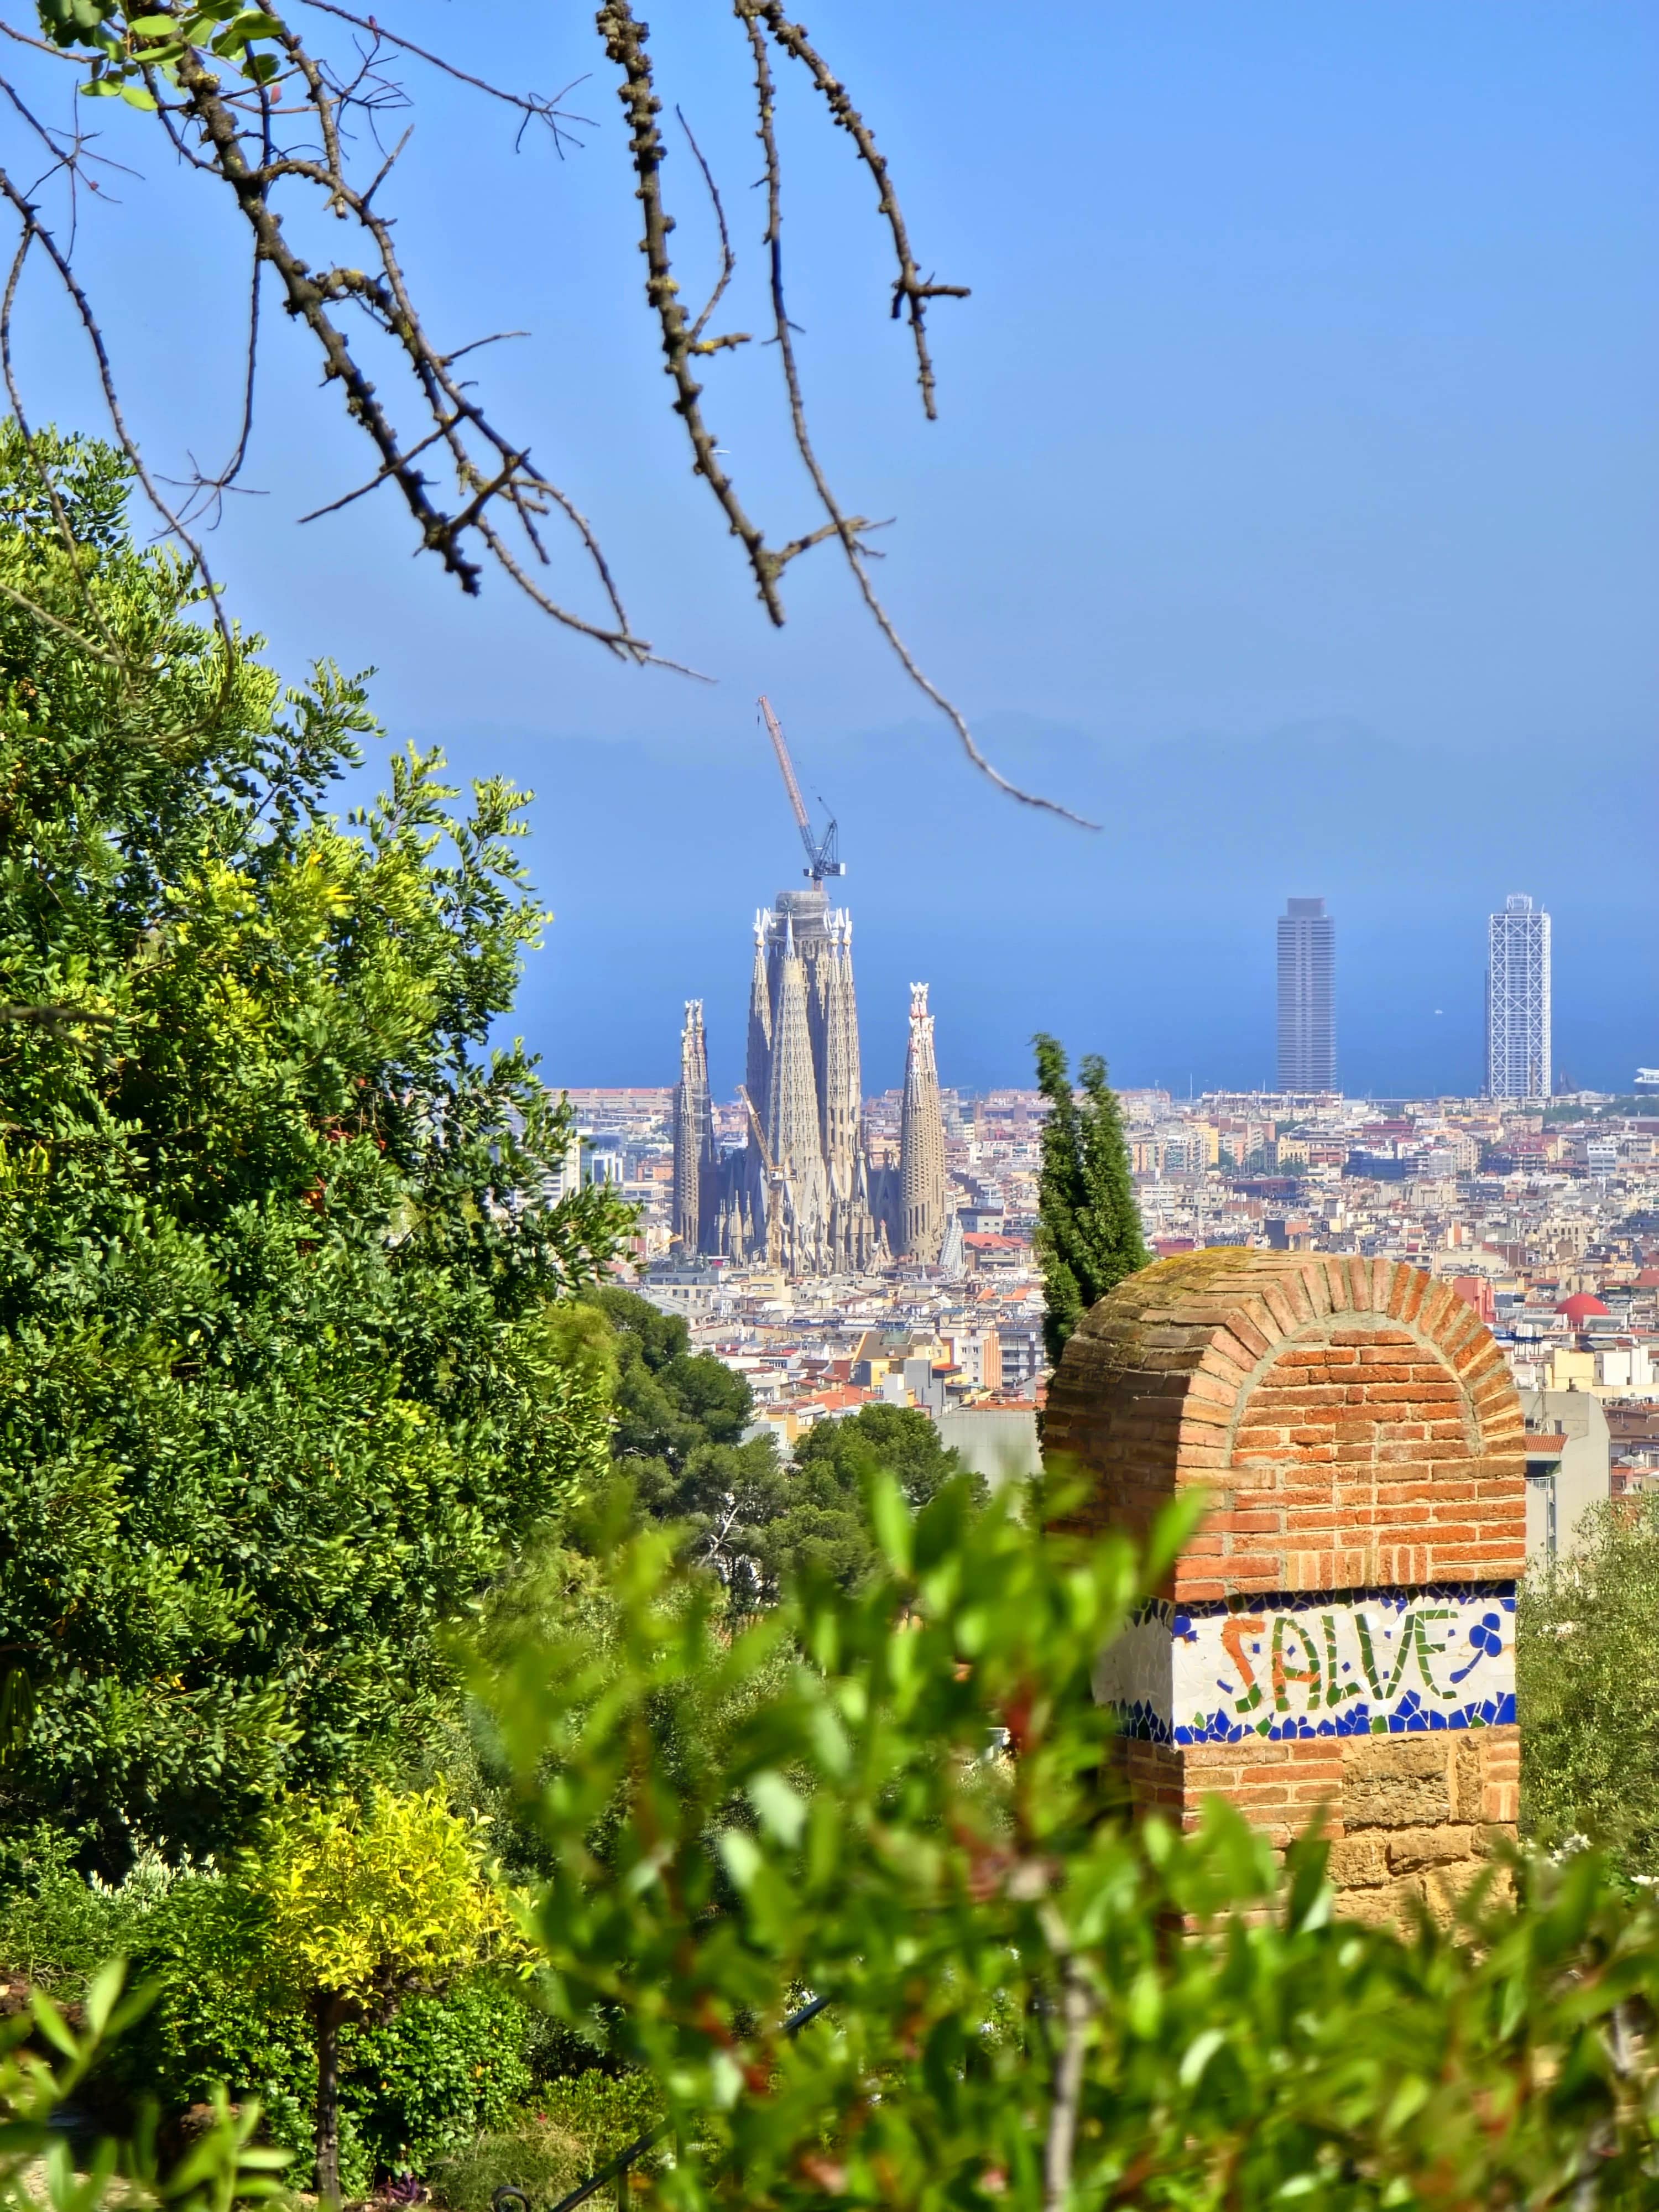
(1088, 1231)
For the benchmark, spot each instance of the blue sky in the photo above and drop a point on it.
(1292, 504)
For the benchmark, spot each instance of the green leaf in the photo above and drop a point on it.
(104, 1988)
(51, 2024)
(889, 1518)
(740, 1855)
(781, 1809)
(1201, 2049)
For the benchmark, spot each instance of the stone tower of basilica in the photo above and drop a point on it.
(800, 1193)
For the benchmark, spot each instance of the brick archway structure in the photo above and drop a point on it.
(1338, 1634)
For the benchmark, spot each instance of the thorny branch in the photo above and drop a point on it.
(34, 231)
(246, 100)
(534, 106)
(844, 527)
(910, 289)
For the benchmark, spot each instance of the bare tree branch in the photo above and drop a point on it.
(35, 231)
(210, 492)
(533, 105)
(909, 288)
(224, 93)
(845, 528)
(625, 45)
(1060, 2146)
(308, 298)
(728, 260)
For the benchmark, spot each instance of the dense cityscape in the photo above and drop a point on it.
(907, 1273)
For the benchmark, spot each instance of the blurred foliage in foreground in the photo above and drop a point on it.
(1028, 2002)
(891, 1797)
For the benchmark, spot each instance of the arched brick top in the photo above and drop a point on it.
(1354, 1419)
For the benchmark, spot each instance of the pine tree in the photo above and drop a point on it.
(1088, 1232)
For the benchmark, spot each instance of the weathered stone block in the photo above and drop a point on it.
(1411, 1851)
(1389, 1782)
(1359, 1862)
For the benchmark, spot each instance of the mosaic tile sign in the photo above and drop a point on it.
(1346, 1663)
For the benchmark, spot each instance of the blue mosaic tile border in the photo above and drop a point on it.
(1409, 1717)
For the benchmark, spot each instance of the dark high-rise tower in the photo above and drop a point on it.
(1306, 997)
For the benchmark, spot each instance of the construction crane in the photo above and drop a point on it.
(775, 1185)
(822, 858)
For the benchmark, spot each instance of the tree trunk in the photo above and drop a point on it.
(330, 2012)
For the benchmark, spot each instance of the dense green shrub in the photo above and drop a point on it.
(1587, 1663)
(428, 2081)
(282, 1379)
(1027, 2005)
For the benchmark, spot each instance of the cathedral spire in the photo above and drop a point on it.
(841, 1100)
(921, 1140)
(695, 1160)
(816, 1215)
(792, 1132)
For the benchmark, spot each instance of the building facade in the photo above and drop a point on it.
(1306, 997)
(1518, 1000)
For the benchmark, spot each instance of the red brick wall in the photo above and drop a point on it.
(1356, 1427)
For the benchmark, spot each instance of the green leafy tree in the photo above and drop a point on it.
(1588, 1678)
(823, 1525)
(671, 1402)
(1088, 1230)
(678, 1440)
(361, 1908)
(679, 1422)
(421, 2083)
(284, 1383)
(1027, 2004)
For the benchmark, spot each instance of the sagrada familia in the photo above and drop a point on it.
(801, 1193)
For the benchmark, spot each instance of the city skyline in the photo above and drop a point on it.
(1338, 578)
(1121, 942)
(1519, 1064)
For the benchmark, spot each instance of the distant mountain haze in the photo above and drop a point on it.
(1151, 940)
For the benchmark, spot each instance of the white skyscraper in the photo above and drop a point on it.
(1518, 1001)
